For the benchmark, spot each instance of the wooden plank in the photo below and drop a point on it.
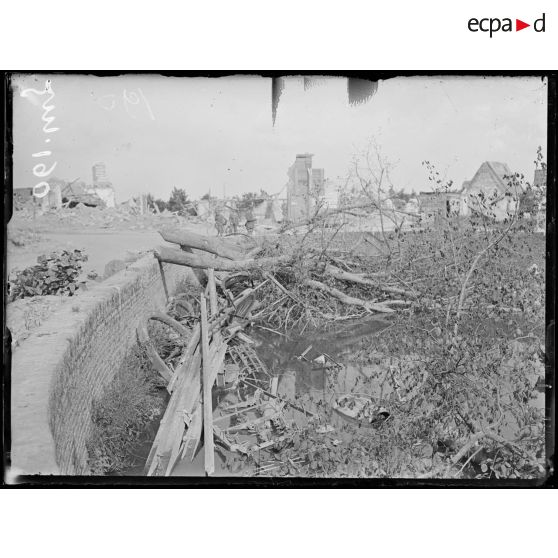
(193, 435)
(187, 397)
(164, 280)
(217, 356)
(186, 380)
(183, 398)
(213, 304)
(207, 386)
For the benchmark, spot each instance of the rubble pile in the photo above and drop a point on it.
(86, 216)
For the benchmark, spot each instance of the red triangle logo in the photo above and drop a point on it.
(519, 25)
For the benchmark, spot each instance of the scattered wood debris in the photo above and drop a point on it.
(219, 364)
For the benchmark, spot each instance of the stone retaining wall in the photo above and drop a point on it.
(67, 361)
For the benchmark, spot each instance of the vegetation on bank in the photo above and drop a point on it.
(126, 414)
(466, 356)
(121, 415)
(466, 368)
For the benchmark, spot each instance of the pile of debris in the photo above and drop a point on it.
(218, 361)
(86, 215)
(217, 383)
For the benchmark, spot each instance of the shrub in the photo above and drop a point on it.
(54, 274)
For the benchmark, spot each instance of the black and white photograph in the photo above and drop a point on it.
(279, 277)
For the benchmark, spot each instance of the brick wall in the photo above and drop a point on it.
(68, 361)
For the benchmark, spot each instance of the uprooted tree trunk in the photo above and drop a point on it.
(199, 261)
(213, 245)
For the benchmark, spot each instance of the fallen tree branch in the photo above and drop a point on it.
(350, 300)
(512, 446)
(468, 461)
(283, 289)
(323, 215)
(463, 451)
(360, 279)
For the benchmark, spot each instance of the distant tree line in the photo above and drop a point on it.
(178, 201)
(244, 201)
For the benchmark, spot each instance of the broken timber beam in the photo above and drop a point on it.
(165, 288)
(185, 402)
(207, 387)
(172, 424)
(211, 287)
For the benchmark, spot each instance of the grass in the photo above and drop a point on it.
(125, 415)
(122, 414)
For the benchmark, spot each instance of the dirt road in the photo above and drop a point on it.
(101, 246)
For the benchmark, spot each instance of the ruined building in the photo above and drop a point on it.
(304, 189)
(99, 173)
(101, 186)
(489, 193)
(442, 203)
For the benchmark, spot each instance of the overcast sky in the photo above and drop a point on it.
(217, 133)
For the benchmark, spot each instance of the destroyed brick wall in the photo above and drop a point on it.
(70, 359)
